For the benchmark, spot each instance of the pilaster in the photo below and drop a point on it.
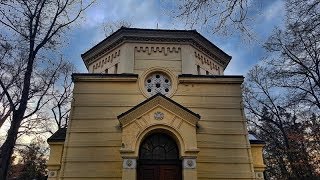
(126, 64)
(188, 60)
(189, 165)
(129, 169)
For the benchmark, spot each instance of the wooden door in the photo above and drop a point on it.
(169, 172)
(159, 172)
(159, 158)
(148, 173)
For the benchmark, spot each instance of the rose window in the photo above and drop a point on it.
(158, 83)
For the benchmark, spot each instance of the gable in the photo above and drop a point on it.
(158, 101)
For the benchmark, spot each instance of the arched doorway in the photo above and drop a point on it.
(159, 158)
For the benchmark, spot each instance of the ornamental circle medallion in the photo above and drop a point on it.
(158, 115)
(157, 82)
(190, 163)
(52, 174)
(129, 163)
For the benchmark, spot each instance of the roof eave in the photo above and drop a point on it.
(124, 34)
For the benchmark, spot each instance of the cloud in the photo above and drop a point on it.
(275, 10)
(149, 13)
(140, 13)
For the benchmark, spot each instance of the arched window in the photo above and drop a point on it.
(159, 146)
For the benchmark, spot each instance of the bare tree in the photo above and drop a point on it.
(56, 94)
(220, 16)
(112, 26)
(296, 52)
(279, 123)
(5, 50)
(282, 94)
(60, 104)
(34, 29)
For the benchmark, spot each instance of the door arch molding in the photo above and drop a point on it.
(158, 146)
(161, 128)
(176, 121)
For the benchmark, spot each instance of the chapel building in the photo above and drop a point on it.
(155, 105)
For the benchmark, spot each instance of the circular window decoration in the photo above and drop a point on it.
(157, 82)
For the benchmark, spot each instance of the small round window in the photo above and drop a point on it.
(157, 83)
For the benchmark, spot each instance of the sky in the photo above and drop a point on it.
(265, 15)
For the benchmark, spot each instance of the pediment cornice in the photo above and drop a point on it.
(155, 101)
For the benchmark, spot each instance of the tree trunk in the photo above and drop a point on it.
(8, 145)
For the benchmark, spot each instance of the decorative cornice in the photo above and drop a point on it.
(103, 77)
(215, 79)
(165, 49)
(204, 60)
(109, 60)
(191, 37)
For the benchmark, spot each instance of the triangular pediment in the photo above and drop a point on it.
(158, 101)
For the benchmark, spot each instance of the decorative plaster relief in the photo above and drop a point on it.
(189, 163)
(107, 61)
(158, 115)
(52, 174)
(259, 175)
(129, 163)
(158, 49)
(207, 64)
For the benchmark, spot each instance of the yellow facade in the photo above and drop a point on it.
(112, 112)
